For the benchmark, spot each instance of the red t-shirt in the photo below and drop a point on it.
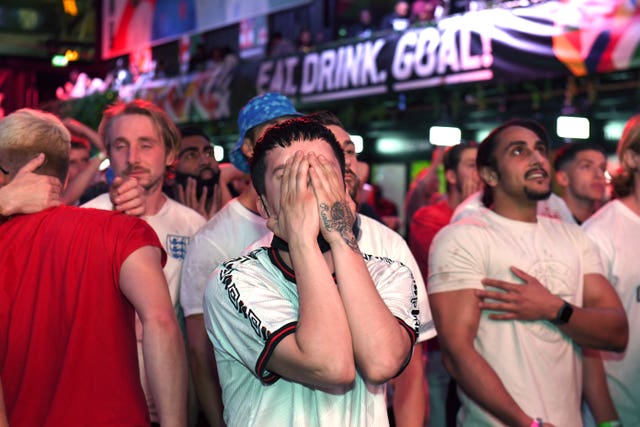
(67, 340)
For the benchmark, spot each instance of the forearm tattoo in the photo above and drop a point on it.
(339, 218)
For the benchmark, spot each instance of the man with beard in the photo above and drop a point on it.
(142, 141)
(514, 295)
(197, 181)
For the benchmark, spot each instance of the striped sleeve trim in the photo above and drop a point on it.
(261, 366)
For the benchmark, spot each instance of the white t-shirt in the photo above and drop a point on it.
(616, 231)
(553, 207)
(540, 367)
(251, 302)
(377, 239)
(174, 224)
(224, 237)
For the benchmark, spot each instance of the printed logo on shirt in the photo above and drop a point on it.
(177, 246)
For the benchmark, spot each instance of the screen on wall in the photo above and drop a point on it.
(130, 25)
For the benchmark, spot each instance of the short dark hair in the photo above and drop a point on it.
(452, 155)
(487, 149)
(326, 118)
(191, 130)
(282, 135)
(568, 153)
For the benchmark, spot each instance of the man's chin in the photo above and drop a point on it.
(537, 195)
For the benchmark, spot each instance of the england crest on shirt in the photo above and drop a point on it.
(177, 246)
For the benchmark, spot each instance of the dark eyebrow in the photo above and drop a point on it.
(187, 150)
(4, 171)
(514, 144)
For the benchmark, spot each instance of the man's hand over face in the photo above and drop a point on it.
(297, 220)
(336, 215)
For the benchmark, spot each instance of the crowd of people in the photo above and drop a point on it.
(171, 290)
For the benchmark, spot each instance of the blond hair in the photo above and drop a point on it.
(26, 133)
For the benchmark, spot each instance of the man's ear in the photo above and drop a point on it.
(489, 176)
(562, 178)
(630, 160)
(450, 176)
(247, 148)
(171, 158)
(261, 205)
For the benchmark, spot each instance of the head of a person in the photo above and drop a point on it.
(580, 169)
(26, 133)
(141, 141)
(629, 156)
(333, 123)
(79, 156)
(255, 118)
(459, 162)
(512, 160)
(196, 160)
(280, 143)
(401, 8)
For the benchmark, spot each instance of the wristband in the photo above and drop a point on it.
(612, 423)
(537, 422)
(100, 155)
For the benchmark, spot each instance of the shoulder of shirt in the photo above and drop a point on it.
(100, 202)
(186, 211)
(248, 258)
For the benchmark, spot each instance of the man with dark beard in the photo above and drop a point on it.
(197, 174)
(514, 295)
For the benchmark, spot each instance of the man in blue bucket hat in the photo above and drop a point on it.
(224, 237)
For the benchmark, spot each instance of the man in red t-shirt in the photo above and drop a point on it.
(462, 180)
(70, 280)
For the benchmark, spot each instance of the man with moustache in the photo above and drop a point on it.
(515, 294)
(141, 141)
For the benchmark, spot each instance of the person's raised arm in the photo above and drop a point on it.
(457, 315)
(381, 345)
(29, 192)
(320, 351)
(228, 172)
(143, 283)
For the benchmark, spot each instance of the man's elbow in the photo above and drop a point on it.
(337, 374)
(620, 338)
(379, 370)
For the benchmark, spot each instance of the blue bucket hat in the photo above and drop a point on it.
(259, 110)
